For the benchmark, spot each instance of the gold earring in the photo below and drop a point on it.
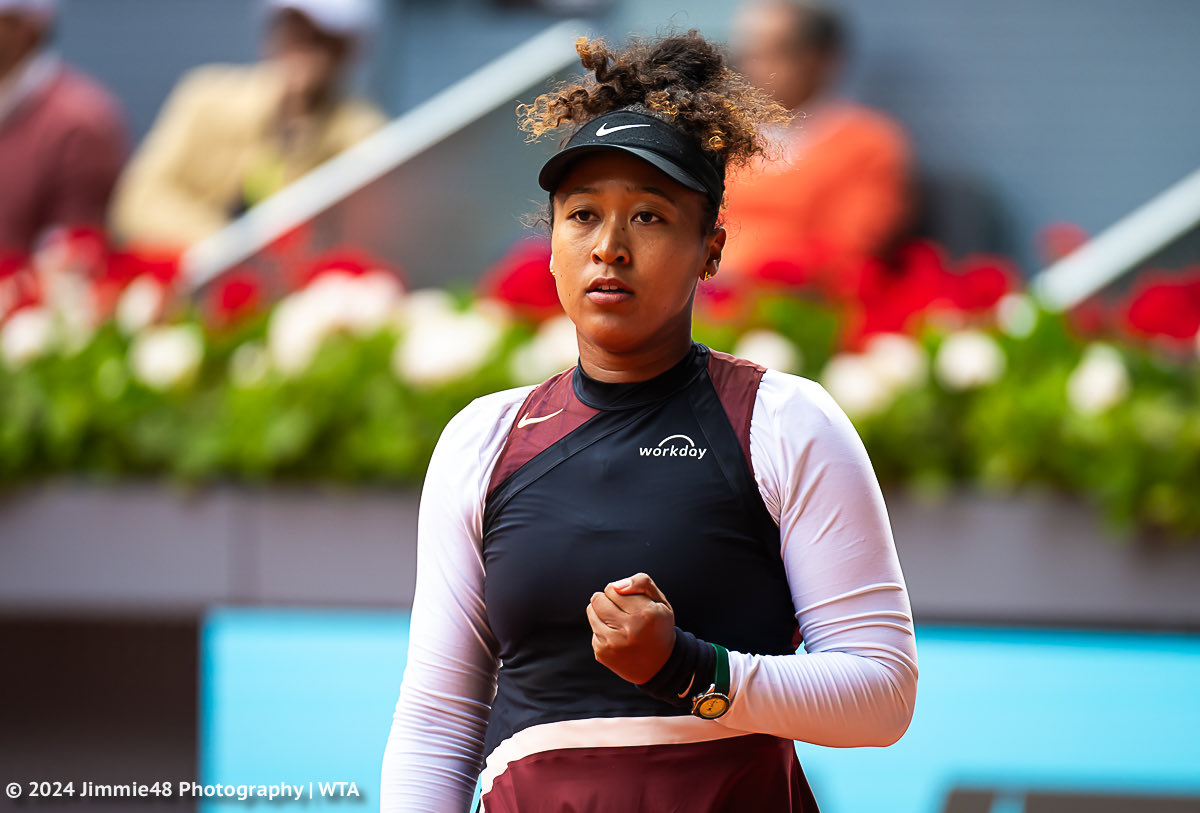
(551, 270)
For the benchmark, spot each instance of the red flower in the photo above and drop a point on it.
(234, 296)
(81, 250)
(1162, 306)
(18, 284)
(919, 275)
(13, 264)
(894, 297)
(813, 264)
(123, 267)
(522, 280)
(789, 272)
(983, 281)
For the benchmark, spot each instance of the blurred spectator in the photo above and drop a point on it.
(839, 190)
(62, 137)
(231, 135)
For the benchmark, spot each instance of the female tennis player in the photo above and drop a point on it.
(616, 567)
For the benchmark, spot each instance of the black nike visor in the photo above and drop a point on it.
(649, 138)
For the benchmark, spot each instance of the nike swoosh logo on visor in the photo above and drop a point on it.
(605, 129)
(528, 421)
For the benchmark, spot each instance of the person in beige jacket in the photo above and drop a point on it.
(231, 135)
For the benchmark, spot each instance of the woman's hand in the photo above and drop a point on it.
(633, 627)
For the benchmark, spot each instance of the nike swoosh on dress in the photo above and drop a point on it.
(528, 421)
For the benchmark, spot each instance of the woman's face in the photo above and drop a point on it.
(629, 245)
(311, 61)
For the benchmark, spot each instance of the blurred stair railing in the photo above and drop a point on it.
(1122, 246)
(427, 124)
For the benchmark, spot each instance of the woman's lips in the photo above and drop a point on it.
(608, 292)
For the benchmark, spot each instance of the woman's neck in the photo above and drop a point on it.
(639, 365)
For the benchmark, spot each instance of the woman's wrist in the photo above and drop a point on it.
(688, 670)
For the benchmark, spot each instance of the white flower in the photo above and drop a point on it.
(553, 349)
(298, 326)
(327, 302)
(427, 304)
(249, 365)
(373, 299)
(140, 304)
(360, 304)
(69, 294)
(333, 302)
(866, 383)
(436, 350)
(69, 297)
(969, 359)
(439, 343)
(855, 383)
(899, 360)
(770, 349)
(495, 309)
(302, 320)
(1016, 315)
(1099, 382)
(28, 334)
(165, 357)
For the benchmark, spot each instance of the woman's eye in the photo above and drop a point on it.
(646, 217)
(582, 215)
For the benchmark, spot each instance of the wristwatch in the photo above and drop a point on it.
(714, 702)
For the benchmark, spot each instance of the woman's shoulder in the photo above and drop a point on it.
(471, 440)
(797, 433)
(795, 402)
(487, 414)
(779, 399)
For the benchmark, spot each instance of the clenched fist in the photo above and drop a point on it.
(633, 627)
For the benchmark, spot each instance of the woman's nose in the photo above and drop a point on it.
(611, 247)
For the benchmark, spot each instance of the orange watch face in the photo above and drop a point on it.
(712, 706)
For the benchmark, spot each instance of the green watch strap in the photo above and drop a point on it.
(721, 673)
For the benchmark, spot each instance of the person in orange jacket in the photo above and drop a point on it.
(838, 192)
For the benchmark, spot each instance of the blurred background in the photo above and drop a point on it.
(254, 254)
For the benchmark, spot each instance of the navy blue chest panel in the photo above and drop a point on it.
(661, 486)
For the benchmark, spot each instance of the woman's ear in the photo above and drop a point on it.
(716, 244)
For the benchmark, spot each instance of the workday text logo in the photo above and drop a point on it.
(674, 446)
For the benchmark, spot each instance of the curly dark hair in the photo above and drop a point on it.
(682, 79)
